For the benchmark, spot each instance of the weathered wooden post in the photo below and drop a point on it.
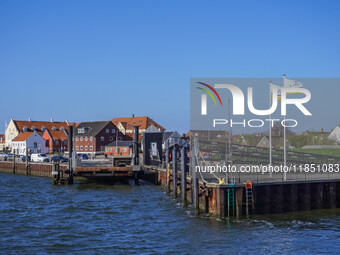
(184, 176)
(14, 161)
(136, 167)
(174, 171)
(70, 152)
(26, 161)
(167, 167)
(194, 182)
(55, 174)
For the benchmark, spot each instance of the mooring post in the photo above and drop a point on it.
(194, 182)
(167, 167)
(26, 161)
(136, 146)
(14, 161)
(184, 176)
(70, 152)
(136, 154)
(174, 171)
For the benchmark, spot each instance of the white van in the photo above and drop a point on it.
(39, 157)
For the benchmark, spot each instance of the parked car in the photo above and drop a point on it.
(39, 157)
(83, 156)
(59, 159)
(3, 156)
(9, 157)
(23, 159)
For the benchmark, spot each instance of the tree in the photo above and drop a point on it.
(278, 129)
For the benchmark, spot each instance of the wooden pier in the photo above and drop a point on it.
(221, 200)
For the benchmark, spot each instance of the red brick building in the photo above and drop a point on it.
(92, 137)
(56, 140)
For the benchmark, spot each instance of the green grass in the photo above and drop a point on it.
(327, 152)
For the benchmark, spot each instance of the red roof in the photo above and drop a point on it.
(143, 122)
(22, 137)
(59, 135)
(21, 124)
(130, 136)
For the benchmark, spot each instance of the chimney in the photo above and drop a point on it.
(29, 119)
(51, 120)
(133, 115)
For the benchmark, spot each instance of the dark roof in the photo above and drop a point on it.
(166, 135)
(90, 128)
(120, 144)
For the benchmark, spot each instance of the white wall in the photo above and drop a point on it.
(35, 143)
(335, 135)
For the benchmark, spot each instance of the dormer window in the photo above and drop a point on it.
(34, 128)
(43, 128)
(81, 130)
(25, 129)
(54, 128)
(62, 128)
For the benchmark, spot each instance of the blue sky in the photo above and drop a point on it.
(96, 60)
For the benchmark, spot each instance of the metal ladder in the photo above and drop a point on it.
(249, 196)
(231, 200)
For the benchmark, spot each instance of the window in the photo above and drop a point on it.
(77, 138)
(113, 131)
(54, 128)
(25, 129)
(91, 138)
(102, 138)
(86, 148)
(76, 148)
(81, 138)
(56, 142)
(43, 128)
(107, 131)
(33, 128)
(124, 150)
(81, 130)
(91, 148)
(35, 145)
(111, 138)
(65, 142)
(86, 138)
(81, 148)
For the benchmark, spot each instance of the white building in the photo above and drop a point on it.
(31, 140)
(16, 127)
(335, 134)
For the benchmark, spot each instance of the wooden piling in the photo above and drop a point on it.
(195, 186)
(26, 161)
(174, 171)
(167, 169)
(183, 176)
(14, 161)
